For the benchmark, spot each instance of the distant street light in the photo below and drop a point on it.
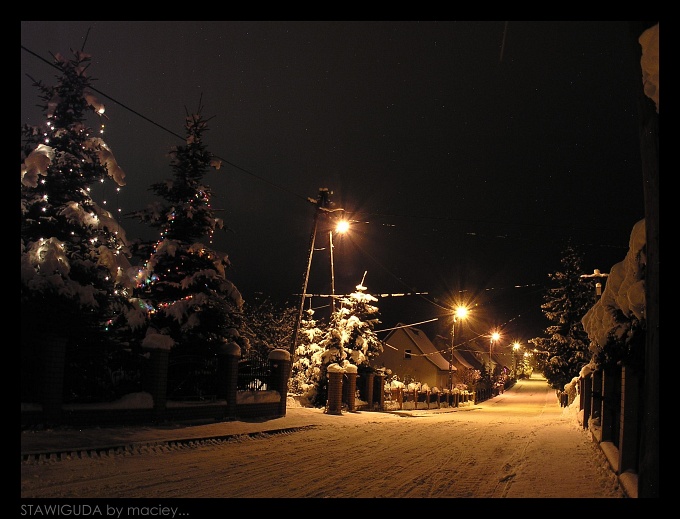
(460, 313)
(494, 338)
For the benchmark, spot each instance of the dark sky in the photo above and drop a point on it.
(468, 152)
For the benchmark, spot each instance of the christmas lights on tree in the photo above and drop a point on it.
(183, 282)
(74, 256)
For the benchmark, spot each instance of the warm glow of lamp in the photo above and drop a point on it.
(459, 313)
(342, 226)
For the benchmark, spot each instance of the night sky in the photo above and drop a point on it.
(467, 153)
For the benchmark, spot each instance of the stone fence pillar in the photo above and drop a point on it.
(52, 399)
(334, 390)
(227, 375)
(368, 385)
(350, 389)
(378, 391)
(158, 379)
(280, 366)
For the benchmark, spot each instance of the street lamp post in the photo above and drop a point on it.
(515, 348)
(494, 337)
(341, 227)
(305, 281)
(330, 246)
(460, 312)
(323, 204)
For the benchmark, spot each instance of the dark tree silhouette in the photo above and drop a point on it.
(565, 343)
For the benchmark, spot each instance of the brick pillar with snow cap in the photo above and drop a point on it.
(335, 374)
(227, 375)
(350, 391)
(158, 345)
(378, 390)
(280, 366)
(158, 380)
(53, 357)
(368, 385)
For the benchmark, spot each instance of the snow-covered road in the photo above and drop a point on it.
(518, 444)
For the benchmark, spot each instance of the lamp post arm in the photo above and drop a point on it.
(330, 246)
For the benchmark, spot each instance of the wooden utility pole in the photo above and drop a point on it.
(322, 203)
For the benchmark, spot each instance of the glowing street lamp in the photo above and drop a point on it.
(460, 313)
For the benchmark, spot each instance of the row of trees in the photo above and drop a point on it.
(108, 300)
(79, 285)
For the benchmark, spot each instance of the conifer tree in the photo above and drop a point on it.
(353, 329)
(192, 307)
(565, 343)
(306, 373)
(74, 259)
(350, 338)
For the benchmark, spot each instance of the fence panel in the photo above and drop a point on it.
(254, 373)
(192, 377)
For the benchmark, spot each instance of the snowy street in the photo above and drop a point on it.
(520, 444)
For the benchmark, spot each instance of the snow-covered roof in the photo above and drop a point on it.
(422, 342)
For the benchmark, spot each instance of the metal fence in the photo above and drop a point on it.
(192, 377)
(254, 372)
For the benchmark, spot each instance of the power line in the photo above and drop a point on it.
(457, 221)
(135, 112)
(283, 188)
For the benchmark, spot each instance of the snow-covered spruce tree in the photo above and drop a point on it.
(566, 302)
(74, 260)
(350, 337)
(306, 369)
(191, 307)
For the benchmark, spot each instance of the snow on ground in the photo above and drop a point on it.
(518, 444)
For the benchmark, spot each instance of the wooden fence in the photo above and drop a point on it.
(239, 393)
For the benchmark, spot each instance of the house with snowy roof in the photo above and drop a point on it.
(465, 357)
(474, 354)
(501, 356)
(410, 354)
